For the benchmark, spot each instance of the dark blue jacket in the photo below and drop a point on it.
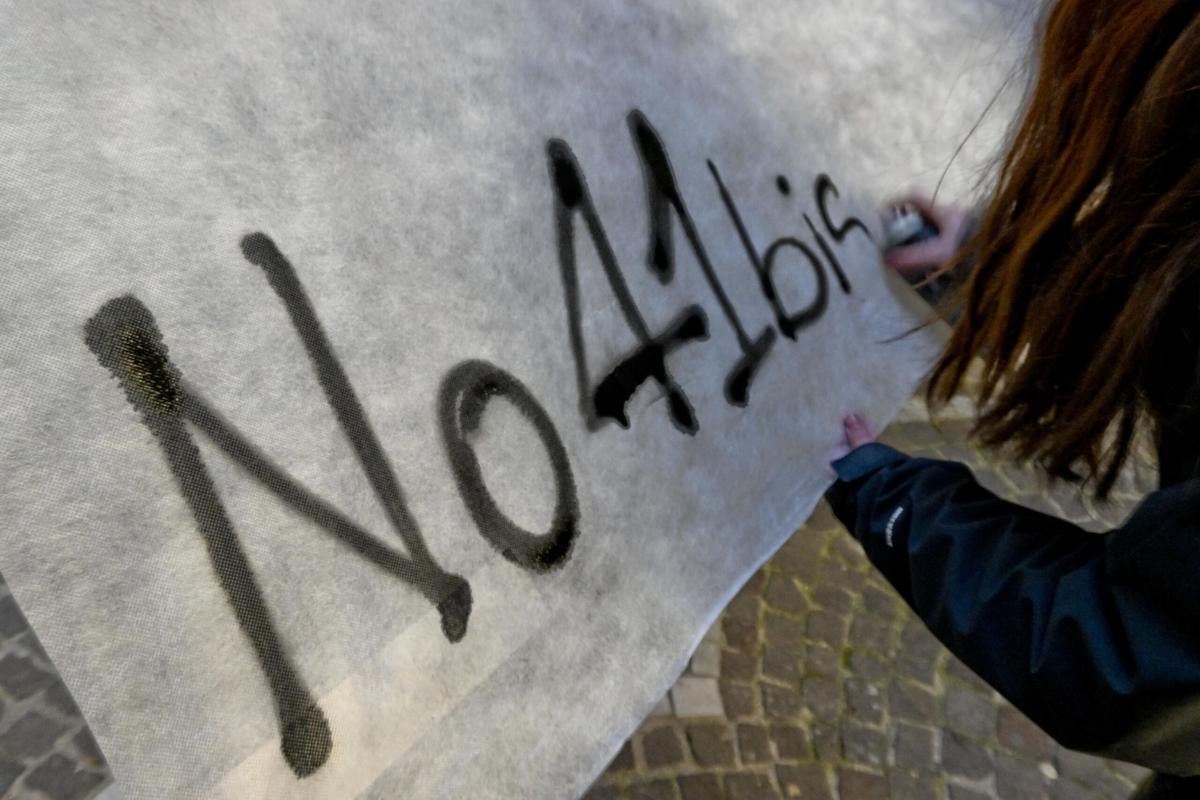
(1095, 637)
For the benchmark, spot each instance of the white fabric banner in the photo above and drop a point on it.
(391, 395)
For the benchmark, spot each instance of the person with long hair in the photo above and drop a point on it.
(1077, 291)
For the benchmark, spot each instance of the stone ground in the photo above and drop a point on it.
(46, 749)
(818, 682)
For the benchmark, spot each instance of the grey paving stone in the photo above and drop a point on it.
(909, 701)
(1018, 733)
(713, 634)
(754, 745)
(852, 580)
(826, 741)
(60, 699)
(58, 778)
(750, 786)
(780, 702)
(1134, 773)
(969, 713)
(912, 436)
(800, 557)
(956, 669)
(745, 607)
(1019, 777)
(858, 785)
(821, 659)
(21, 678)
(28, 642)
(957, 792)
(12, 621)
(1111, 788)
(603, 792)
(740, 636)
(1067, 789)
(697, 697)
(712, 745)
(961, 756)
(863, 745)
(827, 627)
(31, 736)
(700, 787)
(737, 666)
(803, 782)
(791, 742)
(903, 785)
(622, 761)
(10, 772)
(864, 700)
(880, 604)
(821, 697)
(661, 747)
(869, 667)
(913, 746)
(822, 518)
(1082, 767)
(738, 699)
(782, 662)
(918, 652)
(783, 631)
(834, 599)
(847, 549)
(873, 634)
(663, 789)
(782, 593)
(706, 661)
(756, 583)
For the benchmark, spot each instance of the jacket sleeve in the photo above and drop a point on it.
(1095, 637)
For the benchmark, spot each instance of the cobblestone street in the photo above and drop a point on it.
(818, 682)
(46, 750)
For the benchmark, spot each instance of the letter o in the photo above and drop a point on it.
(465, 392)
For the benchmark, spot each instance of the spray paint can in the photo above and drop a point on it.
(904, 225)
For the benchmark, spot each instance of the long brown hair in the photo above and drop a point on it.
(1086, 256)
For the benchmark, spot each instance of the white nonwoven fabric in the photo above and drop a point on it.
(400, 158)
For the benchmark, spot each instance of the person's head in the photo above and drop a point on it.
(1088, 253)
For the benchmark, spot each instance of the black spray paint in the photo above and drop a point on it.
(790, 322)
(611, 395)
(450, 592)
(649, 359)
(465, 393)
(126, 339)
(824, 186)
(663, 196)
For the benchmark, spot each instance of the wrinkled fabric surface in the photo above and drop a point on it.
(289, 373)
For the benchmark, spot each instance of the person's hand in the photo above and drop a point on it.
(857, 432)
(952, 223)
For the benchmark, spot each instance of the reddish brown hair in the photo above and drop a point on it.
(1088, 251)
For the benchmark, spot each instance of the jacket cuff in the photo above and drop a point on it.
(864, 460)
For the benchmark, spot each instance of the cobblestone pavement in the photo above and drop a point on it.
(818, 682)
(46, 750)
